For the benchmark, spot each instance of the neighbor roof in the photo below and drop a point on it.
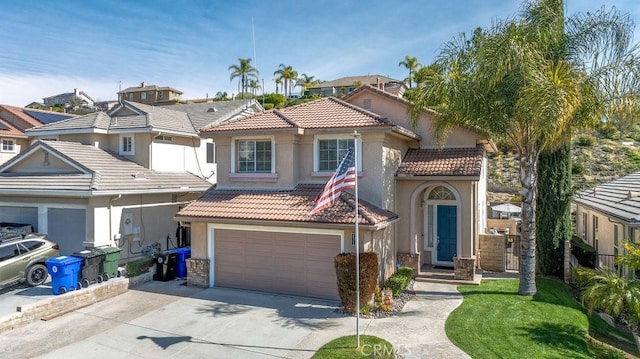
(282, 206)
(9, 130)
(619, 198)
(94, 171)
(350, 80)
(149, 88)
(146, 118)
(213, 112)
(22, 115)
(449, 162)
(324, 113)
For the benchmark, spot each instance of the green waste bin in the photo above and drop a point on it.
(109, 265)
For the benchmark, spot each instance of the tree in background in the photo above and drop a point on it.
(518, 81)
(244, 72)
(305, 81)
(255, 86)
(288, 76)
(410, 63)
(223, 96)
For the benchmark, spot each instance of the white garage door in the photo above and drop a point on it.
(290, 263)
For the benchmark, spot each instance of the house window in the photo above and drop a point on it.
(254, 156)
(130, 97)
(211, 154)
(595, 232)
(126, 145)
(331, 152)
(429, 229)
(159, 95)
(8, 146)
(143, 96)
(443, 193)
(584, 227)
(616, 240)
(164, 138)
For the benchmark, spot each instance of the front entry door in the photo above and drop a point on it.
(447, 233)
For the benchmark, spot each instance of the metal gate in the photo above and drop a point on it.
(512, 252)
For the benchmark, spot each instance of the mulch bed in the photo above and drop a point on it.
(398, 304)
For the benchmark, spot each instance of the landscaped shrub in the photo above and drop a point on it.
(581, 276)
(586, 141)
(399, 280)
(345, 264)
(139, 266)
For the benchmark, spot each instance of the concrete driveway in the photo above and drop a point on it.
(163, 320)
(21, 294)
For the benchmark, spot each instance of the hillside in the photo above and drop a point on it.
(595, 160)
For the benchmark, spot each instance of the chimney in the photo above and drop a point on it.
(142, 84)
(377, 82)
(75, 92)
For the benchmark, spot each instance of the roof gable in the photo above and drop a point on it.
(440, 162)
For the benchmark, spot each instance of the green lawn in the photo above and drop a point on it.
(345, 348)
(495, 322)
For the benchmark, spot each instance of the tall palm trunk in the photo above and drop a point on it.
(528, 174)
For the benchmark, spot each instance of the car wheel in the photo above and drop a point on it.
(36, 274)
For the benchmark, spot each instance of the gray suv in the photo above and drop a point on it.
(23, 258)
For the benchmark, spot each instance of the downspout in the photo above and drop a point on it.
(111, 200)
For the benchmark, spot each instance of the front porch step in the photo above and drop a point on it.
(430, 279)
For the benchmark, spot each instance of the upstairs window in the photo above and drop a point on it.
(254, 156)
(159, 95)
(126, 145)
(211, 152)
(130, 97)
(8, 146)
(331, 152)
(143, 96)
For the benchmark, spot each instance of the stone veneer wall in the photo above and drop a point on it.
(198, 272)
(464, 268)
(492, 256)
(410, 260)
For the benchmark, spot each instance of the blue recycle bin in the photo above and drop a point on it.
(181, 265)
(64, 272)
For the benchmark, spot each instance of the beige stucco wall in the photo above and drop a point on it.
(606, 230)
(35, 163)
(19, 145)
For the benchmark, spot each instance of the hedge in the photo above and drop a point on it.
(582, 276)
(345, 264)
(399, 280)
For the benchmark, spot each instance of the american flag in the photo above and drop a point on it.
(343, 178)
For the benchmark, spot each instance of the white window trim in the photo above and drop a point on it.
(234, 143)
(206, 151)
(13, 145)
(316, 152)
(133, 145)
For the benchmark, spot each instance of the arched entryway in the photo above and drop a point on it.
(440, 224)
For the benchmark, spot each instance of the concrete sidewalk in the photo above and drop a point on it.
(161, 320)
(417, 332)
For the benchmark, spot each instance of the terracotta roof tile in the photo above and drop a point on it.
(287, 206)
(465, 161)
(328, 112)
(9, 130)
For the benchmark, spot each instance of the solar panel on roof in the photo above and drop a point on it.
(47, 117)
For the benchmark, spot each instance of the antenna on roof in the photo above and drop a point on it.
(253, 36)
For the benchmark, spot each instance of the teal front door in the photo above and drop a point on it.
(447, 233)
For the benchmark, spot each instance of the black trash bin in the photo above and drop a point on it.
(90, 272)
(166, 265)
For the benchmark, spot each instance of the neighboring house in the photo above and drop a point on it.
(346, 85)
(252, 230)
(14, 121)
(85, 196)
(608, 214)
(106, 105)
(66, 100)
(151, 94)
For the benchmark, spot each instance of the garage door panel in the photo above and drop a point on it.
(290, 263)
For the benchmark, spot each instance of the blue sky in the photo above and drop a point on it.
(51, 47)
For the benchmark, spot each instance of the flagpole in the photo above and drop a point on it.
(355, 151)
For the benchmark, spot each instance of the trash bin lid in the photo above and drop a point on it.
(86, 254)
(107, 249)
(64, 260)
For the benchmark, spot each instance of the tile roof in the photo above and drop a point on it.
(96, 120)
(19, 112)
(47, 116)
(457, 161)
(327, 112)
(282, 206)
(95, 170)
(619, 198)
(213, 112)
(9, 130)
(149, 88)
(350, 80)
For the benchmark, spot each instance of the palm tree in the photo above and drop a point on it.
(305, 81)
(221, 95)
(278, 82)
(254, 85)
(530, 82)
(288, 76)
(410, 63)
(244, 71)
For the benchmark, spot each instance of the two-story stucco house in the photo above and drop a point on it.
(115, 178)
(417, 201)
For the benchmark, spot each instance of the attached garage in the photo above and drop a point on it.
(289, 262)
(20, 214)
(67, 227)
